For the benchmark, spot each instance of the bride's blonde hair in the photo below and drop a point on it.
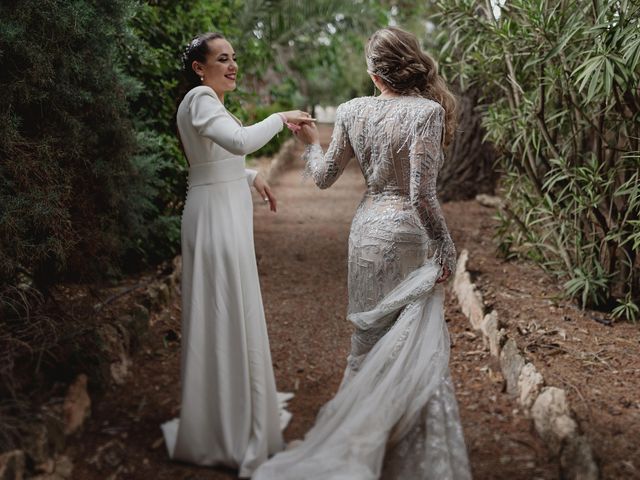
(395, 56)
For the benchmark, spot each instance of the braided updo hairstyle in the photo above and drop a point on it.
(396, 57)
(196, 51)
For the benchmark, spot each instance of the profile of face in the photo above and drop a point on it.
(220, 69)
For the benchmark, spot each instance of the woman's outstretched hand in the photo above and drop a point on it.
(298, 117)
(264, 190)
(309, 133)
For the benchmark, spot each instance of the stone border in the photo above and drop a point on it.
(547, 406)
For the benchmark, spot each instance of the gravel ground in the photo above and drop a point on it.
(301, 254)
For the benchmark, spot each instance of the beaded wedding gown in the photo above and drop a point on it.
(395, 415)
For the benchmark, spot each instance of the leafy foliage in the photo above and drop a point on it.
(92, 177)
(288, 58)
(561, 102)
(70, 197)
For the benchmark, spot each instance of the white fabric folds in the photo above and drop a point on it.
(382, 402)
(230, 412)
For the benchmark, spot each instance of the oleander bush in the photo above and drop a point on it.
(561, 103)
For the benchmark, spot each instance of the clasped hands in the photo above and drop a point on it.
(297, 121)
(302, 125)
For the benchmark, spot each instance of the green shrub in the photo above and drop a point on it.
(68, 188)
(562, 104)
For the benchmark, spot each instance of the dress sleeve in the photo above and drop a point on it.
(325, 168)
(426, 158)
(211, 120)
(251, 175)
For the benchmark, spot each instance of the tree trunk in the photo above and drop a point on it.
(469, 166)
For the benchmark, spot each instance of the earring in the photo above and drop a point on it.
(202, 79)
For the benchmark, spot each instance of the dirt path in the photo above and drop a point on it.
(302, 262)
(302, 253)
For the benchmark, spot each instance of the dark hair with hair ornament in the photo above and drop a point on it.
(197, 51)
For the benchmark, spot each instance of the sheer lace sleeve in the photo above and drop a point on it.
(326, 168)
(426, 158)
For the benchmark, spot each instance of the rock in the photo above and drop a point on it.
(46, 467)
(157, 295)
(158, 443)
(469, 298)
(59, 469)
(164, 294)
(511, 363)
(137, 323)
(121, 470)
(576, 460)
(552, 418)
(138, 320)
(173, 279)
(77, 405)
(492, 334)
(530, 382)
(64, 466)
(116, 341)
(489, 200)
(12, 465)
(52, 416)
(36, 443)
(109, 455)
(177, 268)
(120, 369)
(45, 437)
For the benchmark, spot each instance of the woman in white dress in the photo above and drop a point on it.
(229, 411)
(395, 415)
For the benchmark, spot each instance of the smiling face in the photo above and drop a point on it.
(219, 71)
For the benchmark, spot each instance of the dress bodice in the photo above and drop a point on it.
(398, 144)
(209, 133)
(383, 133)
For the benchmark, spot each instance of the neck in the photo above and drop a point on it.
(219, 94)
(388, 94)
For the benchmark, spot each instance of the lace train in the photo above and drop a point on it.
(402, 382)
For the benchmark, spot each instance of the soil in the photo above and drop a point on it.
(301, 254)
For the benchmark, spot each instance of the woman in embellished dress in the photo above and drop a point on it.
(395, 415)
(229, 411)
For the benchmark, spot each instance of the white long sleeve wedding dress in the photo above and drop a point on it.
(229, 412)
(395, 415)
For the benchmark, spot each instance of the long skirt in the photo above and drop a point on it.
(229, 412)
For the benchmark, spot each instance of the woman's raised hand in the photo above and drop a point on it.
(309, 133)
(298, 117)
